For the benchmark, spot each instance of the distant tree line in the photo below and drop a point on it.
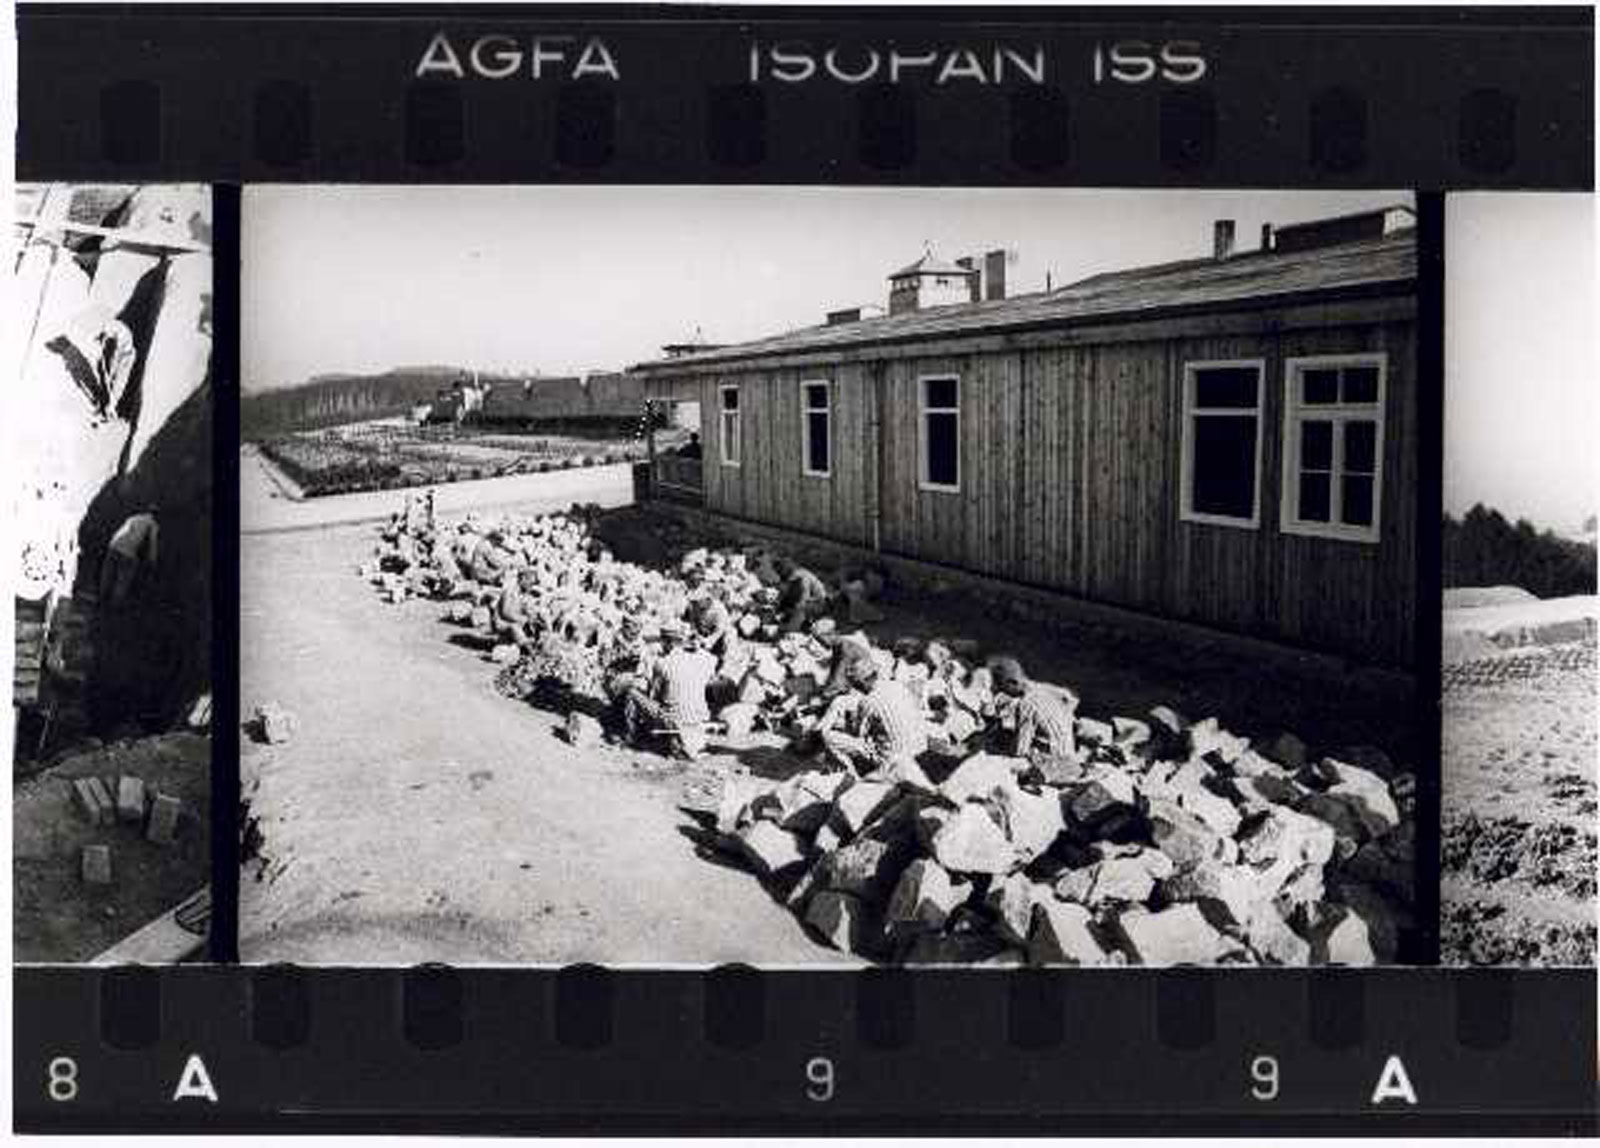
(331, 400)
(1483, 549)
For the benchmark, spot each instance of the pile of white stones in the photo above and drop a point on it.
(1165, 843)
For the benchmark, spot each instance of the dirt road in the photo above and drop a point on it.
(418, 815)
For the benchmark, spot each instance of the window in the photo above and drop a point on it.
(1333, 446)
(817, 428)
(941, 433)
(1222, 443)
(729, 427)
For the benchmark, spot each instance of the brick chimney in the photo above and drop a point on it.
(1222, 239)
(974, 282)
(994, 275)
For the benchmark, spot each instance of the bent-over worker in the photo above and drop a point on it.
(673, 706)
(888, 724)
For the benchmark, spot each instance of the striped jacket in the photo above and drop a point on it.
(891, 721)
(1045, 722)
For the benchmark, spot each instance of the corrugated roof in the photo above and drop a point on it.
(1139, 293)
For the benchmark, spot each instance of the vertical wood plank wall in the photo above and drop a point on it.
(1070, 460)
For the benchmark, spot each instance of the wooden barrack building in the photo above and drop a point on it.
(1230, 441)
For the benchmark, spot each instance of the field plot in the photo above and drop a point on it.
(1518, 842)
(392, 454)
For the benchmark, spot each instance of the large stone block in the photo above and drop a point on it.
(1179, 935)
(924, 897)
(130, 799)
(1009, 900)
(856, 804)
(772, 850)
(1064, 934)
(164, 813)
(841, 919)
(971, 842)
(978, 776)
(1032, 821)
(96, 865)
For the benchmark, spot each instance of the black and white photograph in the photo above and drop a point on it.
(1517, 880)
(109, 449)
(676, 576)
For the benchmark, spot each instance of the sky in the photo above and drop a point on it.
(565, 280)
(1520, 362)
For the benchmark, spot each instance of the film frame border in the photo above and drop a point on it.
(432, 1002)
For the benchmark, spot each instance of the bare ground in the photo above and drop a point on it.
(419, 815)
(56, 917)
(1518, 857)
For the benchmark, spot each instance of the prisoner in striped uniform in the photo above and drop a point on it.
(889, 724)
(1046, 721)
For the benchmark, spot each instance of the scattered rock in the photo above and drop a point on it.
(130, 798)
(1272, 939)
(1064, 934)
(164, 813)
(840, 918)
(1340, 938)
(1182, 836)
(1278, 842)
(772, 850)
(1011, 900)
(1284, 749)
(274, 724)
(504, 654)
(858, 803)
(868, 867)
(924, 897)
(1179, 935)
(97, 864)
(1235, 889)
(582, 730)
(1031, 821)
(970, 842)
(977, 776)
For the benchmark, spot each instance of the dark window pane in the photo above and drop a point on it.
(1316, 446)
(1361, 447)
(1321, 385)
(817, 398)
(939, 392)
(1361, 384)
(1314, 490)
(944, 454)
(817, 441)
(1226, 387)
(1224, 467)
(1356, 509)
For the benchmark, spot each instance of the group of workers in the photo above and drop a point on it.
(671, 656)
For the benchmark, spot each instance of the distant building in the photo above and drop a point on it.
(1229, 440)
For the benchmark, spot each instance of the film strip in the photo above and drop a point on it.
(1442, 102)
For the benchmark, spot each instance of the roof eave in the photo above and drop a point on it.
(1373, 289)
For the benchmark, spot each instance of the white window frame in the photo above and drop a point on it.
(1186, 511)
(923, 410)
(1295, 412)
(735, 458)
(806, 411)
